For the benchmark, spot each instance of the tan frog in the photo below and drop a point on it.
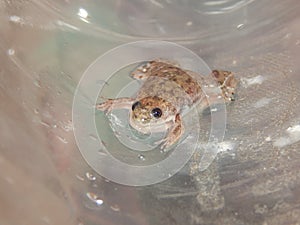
(167, 90)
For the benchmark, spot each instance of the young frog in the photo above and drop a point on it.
(166, 91)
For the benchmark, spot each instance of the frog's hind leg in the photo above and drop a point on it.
(141, 72)
(119, 103)
(228, 83)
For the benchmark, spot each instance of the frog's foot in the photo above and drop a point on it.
(111, 104)
(174, 134)
(227, 82)
(141, 73)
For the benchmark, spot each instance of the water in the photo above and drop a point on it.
(45, 48)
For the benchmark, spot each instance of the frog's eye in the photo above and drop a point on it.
(136, 104)
(156, 112)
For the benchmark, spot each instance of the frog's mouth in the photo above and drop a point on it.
(147, 128)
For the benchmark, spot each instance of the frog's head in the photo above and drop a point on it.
(151, 113)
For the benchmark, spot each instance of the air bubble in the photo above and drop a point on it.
(90, 176)
(10, 51)
(141, 157)
(189, 23)
(80, 177)
(115, 208)
(44, 124)
(62, 139)
(95, 198)
(240, 26)
(37, 83)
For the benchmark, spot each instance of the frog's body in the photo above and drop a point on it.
(166, 92)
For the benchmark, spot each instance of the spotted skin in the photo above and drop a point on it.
(167, 90)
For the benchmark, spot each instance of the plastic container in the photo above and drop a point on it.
(45, 48)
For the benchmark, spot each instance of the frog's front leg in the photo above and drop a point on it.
(118, 103)
(174, 134)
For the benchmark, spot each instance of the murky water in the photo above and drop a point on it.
(45, 48)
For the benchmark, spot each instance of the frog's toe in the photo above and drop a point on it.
(141, 72)
(166, 143)
(160, 141)
(104, 106)
(164, 146)
(163, 143)
(139, 75)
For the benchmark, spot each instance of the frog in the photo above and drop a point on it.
(166, 91)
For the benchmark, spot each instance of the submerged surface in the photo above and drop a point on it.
(46, 47)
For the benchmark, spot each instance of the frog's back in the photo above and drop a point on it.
(172, 84)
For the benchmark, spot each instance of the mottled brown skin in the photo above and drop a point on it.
(167, 90)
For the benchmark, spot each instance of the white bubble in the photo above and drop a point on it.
(90, 176)
(240, 26)
(10, 51)
(142, 157)
(95, 198)
(82, 13)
